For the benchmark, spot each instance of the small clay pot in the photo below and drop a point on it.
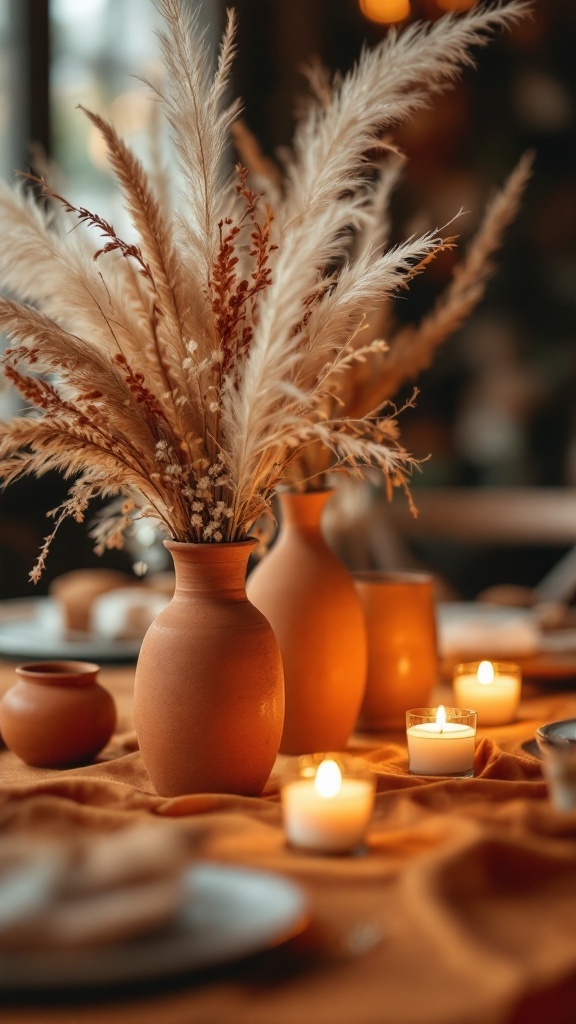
(57, 714)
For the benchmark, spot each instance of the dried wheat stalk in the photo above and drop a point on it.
(187, 371)
(411, 349)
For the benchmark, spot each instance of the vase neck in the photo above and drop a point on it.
(212, 568)
(304, 510)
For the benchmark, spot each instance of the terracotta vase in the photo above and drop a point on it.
(310, 600)
(402, 650)
(209, 695)
(57, 714)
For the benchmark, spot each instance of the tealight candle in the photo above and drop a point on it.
(492, 688)
(441, 741)
(327, 803)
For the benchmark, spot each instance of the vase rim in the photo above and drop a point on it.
(186, 545)
(294, 492)
(406, 576)
(62, 672)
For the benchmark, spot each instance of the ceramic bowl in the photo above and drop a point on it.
(557, 742)
(556, 734)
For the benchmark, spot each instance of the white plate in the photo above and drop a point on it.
(228, 913)
(30, 629)
(472, 626)
(469, 631)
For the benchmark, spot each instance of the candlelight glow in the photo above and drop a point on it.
(385, 12)
(441, 717)
(328, 779)
(485, 672)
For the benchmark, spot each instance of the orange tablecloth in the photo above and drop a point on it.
(473, 882)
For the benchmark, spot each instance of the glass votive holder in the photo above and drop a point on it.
(557, 743)
(491, 687)
(441, 741)
(327, 802)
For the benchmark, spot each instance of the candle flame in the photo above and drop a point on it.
(328, 779)
(385, 12)
(441, 717)
(485, 673)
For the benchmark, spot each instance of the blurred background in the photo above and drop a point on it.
(495, 410)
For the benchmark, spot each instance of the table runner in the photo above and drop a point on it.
(472, 882)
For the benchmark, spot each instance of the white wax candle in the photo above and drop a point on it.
(327, 813)
(441, 748)
(494, 694)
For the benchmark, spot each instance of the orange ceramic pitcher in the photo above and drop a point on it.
(402, 649)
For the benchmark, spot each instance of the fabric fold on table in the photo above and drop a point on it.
(472, 881)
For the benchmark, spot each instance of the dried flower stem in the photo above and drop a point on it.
(190, 370)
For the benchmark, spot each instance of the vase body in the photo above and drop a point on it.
(57, 714)
(308, 596)
(209, 696)
(402, 649)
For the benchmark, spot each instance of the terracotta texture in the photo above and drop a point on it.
(402, 648)
(310, 599)
(57, 714)
(209, 695)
